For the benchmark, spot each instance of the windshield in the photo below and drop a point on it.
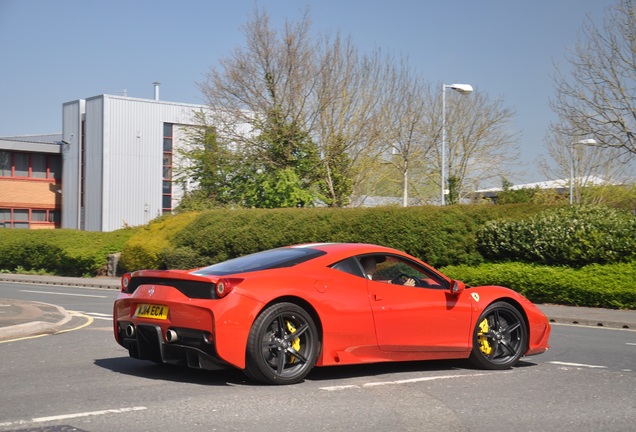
(270, 259)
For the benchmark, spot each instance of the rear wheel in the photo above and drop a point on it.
(500, 337)
(282, 346)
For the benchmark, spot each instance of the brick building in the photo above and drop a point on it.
(30, 181)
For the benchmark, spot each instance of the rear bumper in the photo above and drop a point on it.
(190, 347)
(210, 333)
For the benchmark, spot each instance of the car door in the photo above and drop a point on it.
(417, 318)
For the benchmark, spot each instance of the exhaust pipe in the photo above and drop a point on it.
(171, 336)
(130, 330)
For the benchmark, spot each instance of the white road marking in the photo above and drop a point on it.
(399, 382)
(72, 416)
(577, 365)
(593, 326)
(102, 318)
(66, 294)
(97, 315)
(629, 343)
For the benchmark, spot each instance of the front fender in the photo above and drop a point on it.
(536, 322)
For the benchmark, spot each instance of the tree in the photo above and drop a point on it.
(481, 146)
(408, 119)
(596, 99)
(333, 116)
(311, 106)
(592, 168)
(258, 102)
(204, 166)
(515, 196)
(349, 103)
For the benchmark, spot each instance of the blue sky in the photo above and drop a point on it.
(53, 52)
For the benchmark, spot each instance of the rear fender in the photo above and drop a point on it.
(233, 323)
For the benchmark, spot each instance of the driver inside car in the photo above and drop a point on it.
(370, 266)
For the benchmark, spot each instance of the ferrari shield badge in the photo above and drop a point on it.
(475, 296)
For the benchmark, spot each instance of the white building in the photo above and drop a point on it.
(118, 159)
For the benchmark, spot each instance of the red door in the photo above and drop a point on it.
(419, 319)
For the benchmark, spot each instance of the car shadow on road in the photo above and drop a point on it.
(377, 369)
(231, 377)
(149, 370)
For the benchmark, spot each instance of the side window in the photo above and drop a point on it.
(399, 271)
(350, 265)
(395, 268)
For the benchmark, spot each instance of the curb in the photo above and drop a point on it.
(35, 327)
(591, 317)
(100, 282)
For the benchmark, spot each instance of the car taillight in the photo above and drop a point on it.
(224, 286)
(125, 280)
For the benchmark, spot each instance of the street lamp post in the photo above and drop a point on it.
(582, 142)
(463, 89)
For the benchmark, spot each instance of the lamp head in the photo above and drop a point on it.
(589, 141)
(462, 88)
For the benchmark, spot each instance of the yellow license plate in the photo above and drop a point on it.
(151, 311)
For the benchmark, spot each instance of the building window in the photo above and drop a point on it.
(55, 167)
(20, 165)
(38, 166)
(5, 164)
(26, 218)
(167, 168)
(5, 217)
(38, 215)
(30, 165)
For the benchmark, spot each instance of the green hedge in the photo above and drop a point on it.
(61, 252)
(573, 236)
(607, 286)
(146, 249)
(439, 236)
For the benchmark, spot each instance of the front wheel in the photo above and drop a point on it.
(282, 346)
(500, 337)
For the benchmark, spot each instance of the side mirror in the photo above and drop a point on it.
(456, 287)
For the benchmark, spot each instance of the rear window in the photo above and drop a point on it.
(270, 259)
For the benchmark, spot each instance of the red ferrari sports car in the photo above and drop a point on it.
(276, 314)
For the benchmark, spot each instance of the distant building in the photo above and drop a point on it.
(561, 187)
(118, 155)
(30, 176)
(111, 167)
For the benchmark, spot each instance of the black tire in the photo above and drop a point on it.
(283, 345)
(500, 337)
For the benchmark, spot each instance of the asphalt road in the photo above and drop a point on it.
(80, 379)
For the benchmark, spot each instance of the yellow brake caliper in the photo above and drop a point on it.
(484, 345)
(295, 343)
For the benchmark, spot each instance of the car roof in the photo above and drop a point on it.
(343, 250)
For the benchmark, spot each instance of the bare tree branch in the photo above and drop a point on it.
(598, 97)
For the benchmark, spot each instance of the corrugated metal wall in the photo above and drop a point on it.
(71, 123)
(124, 159)
(95, 133)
